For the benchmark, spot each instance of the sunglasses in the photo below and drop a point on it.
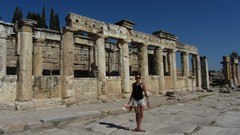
(138, 77)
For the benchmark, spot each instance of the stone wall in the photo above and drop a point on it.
(8, 92)
(85, 88)
(46, 87)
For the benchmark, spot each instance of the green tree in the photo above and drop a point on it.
(17, 14)
(42, 22)
(234, 55)
(51, 20)
(54, 21)
(57, 22)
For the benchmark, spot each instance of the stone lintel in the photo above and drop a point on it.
(126, 23)
(165, 35)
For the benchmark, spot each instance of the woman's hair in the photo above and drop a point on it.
(137, 74)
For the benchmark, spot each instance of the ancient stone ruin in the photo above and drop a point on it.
(230, 71)
(91, 60)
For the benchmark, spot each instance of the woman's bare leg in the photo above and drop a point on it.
(141, 112)
(137, 117)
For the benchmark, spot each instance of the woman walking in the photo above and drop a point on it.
(137, 101)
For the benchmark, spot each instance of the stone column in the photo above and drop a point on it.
(143, 57)
(111, 61)
(198, 72)
(234, 71)
(24, 84)
(173, 68)
(205, 75)
(67, 74)
(185, 67)
(92, 63)
(165, 65)
(237, 70)
(101, 64)
(3, 55)
(227, 71)
(160, 68)
(38, 57)
(125, 67)
(168, 63)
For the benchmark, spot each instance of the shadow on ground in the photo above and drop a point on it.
(111, 125)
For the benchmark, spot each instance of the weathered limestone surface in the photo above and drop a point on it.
(101, 69)
(67, 69)
(125, 68)
(185, 68)
(160, 68)
(205, 74)
(8, 85)
(24, 92)
(46, 87)
(38, 58)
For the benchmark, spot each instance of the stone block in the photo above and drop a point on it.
(14, 126)
(24, 105)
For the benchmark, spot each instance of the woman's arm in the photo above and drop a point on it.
(145, 93)
(131, 96)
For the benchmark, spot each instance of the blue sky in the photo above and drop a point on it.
(213, 26)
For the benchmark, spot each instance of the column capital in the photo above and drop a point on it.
(172, 50)
(67, 29)
(122, 41)
(159, 48)
(185, 53)
(25, 22)
(97, 36)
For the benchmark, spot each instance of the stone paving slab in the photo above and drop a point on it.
(217, 131)
(229, 119)
(179, 128)
(31, 119)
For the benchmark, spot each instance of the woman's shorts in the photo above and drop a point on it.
(138, 102)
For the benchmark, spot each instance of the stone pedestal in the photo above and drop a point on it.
(25, 32)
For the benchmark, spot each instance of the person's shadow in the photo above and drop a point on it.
(111, 125)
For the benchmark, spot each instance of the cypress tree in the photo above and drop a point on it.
(20, 14)
(54, 22)
(57, 22)
(42, 22)
(17, 14)
(51, 20)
